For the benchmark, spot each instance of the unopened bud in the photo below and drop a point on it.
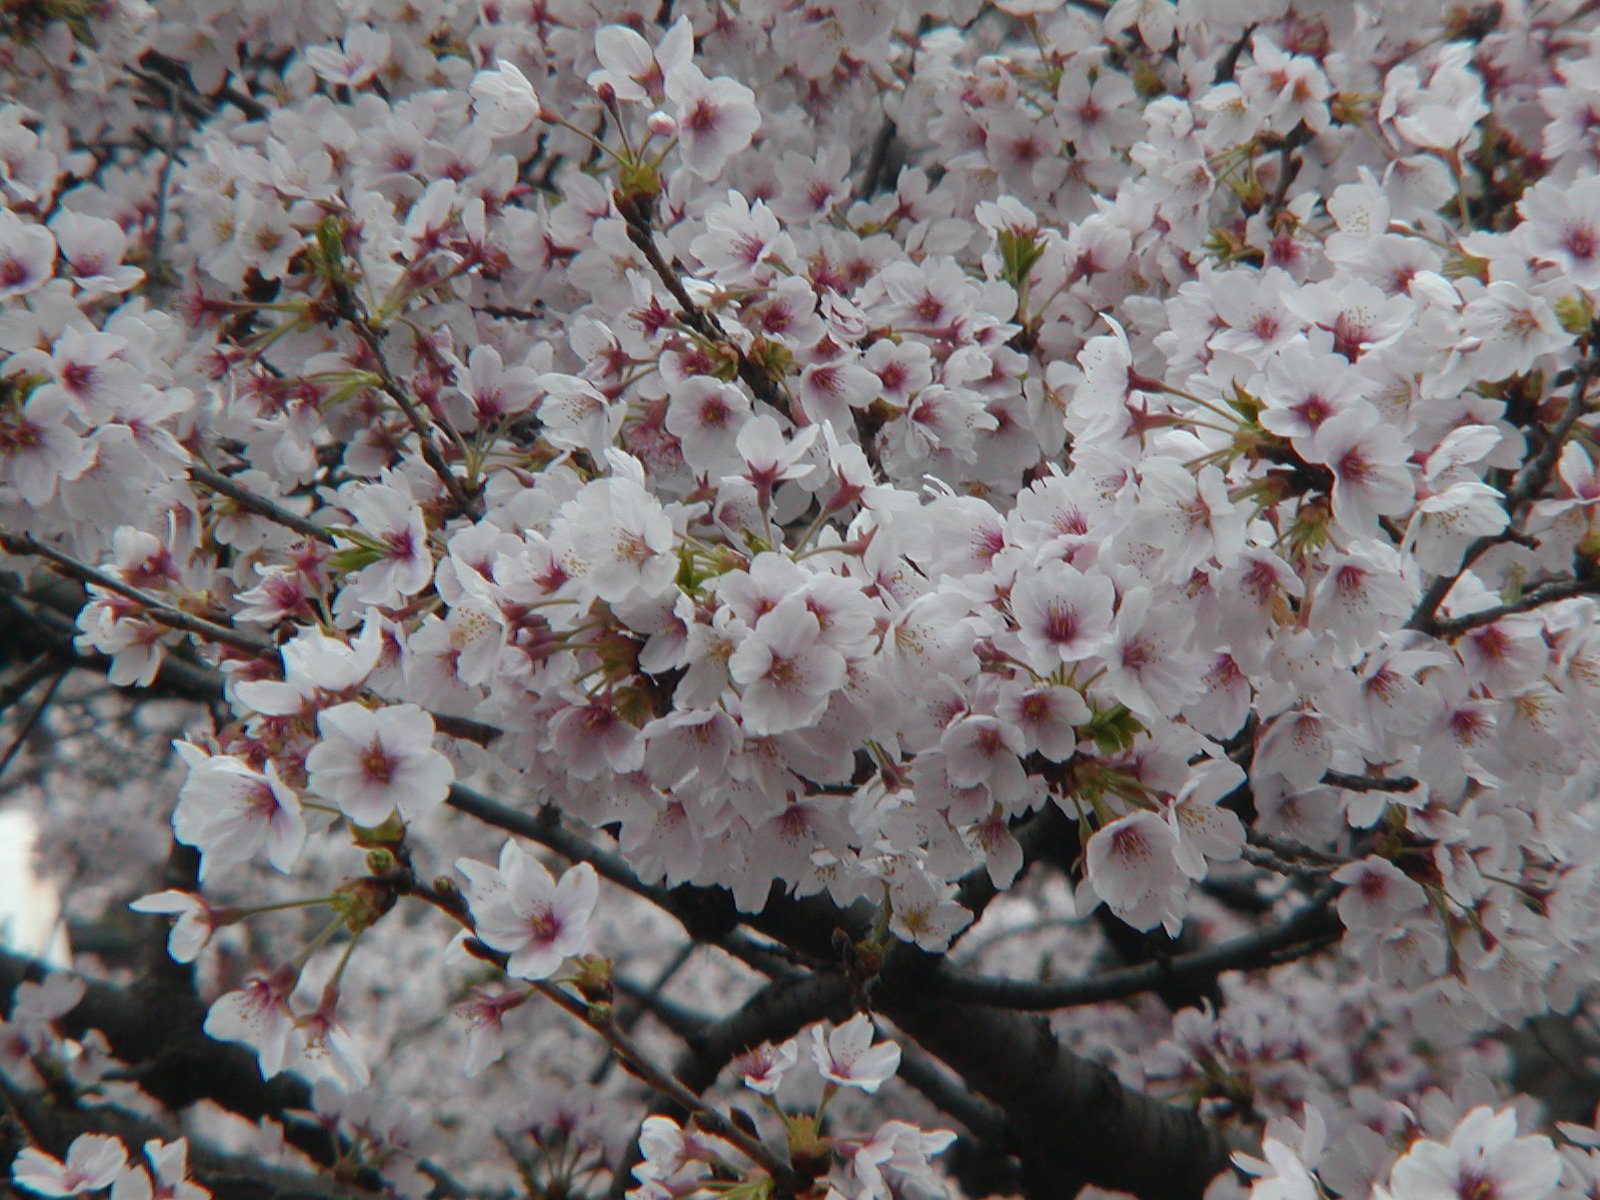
(662, 124)
(592, 977)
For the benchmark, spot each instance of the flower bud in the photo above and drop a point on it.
(592, 977)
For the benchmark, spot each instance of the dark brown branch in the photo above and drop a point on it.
(30, 674)
(1306, 928)
(647, 998)
(1370, 783)
(260, 505)
(235, 1177)
(41, 624)
(1076, 1122)
(157, 610)
(60, 670)
(1545, 593)
(984, 1162)
(155, 1028)
(1527, 484)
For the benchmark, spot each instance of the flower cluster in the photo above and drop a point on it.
(802, 449)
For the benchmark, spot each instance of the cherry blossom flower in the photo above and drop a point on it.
(360, 55)
(315, 665)
(93, 1162)
(786, 671)
(1132, 865)
(762, 1069)
(895, 1160)
(169, 1163)
(716, 117)
(258, 1014)
(231, 812)
(1446, 522)
(93, 249)
(371, 763)
(39, 448)
(1484, 1156)
(535, 918)
(1561, 226)
(742, 242)
(484, 1012)
(1284, 1170)
(847, 1055)
(504, 100)
(1063, 615)
(630, 68)
(706, 415)
(625, 536)
(27, 255)
(390, 530)
(325, 1049)
(196, 921)
(1367, 460)
(1377, 894)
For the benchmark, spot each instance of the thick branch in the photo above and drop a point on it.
(1075, 1120)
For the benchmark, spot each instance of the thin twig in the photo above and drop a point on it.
(1303, 932)
(30, 674)
(156, 610)
(352, 310)
(647, 998)
(1545, 593)
(156, 282)
(1370, 783)
(33, 718)
(1528, 482)
(755, 377)
(670, 1086)
(260, 505)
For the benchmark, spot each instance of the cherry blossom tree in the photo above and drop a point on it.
(864, 600)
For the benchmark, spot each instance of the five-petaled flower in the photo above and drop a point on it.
(371, 762)
(847, 1054)
(524, 911)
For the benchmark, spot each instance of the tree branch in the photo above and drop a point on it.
(1307, 930)
(233, 1177)
(157, 610)
(260, 505)
(155, 1028)
(1529, 481)
(1076, 1122)
(1545, 593)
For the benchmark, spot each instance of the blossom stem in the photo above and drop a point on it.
(317, 943)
